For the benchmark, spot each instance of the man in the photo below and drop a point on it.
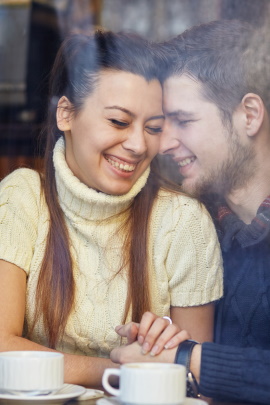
(217, 104)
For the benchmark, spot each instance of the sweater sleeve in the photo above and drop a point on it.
(192, 258)
(234, 373)
(19, 207)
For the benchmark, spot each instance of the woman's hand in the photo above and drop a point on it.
(132, 353)
(153, 334)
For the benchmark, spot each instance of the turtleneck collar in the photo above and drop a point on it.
(78, 199)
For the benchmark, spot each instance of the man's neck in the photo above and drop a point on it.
(245, 202)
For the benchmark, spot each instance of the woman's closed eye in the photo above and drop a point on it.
(154, 130)
(117, 123)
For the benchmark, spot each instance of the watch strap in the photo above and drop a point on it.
(183, 355)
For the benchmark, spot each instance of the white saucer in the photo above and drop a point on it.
(90, 394)
(115, 401)
(68, 391)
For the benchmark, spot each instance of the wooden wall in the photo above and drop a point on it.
(31, 33)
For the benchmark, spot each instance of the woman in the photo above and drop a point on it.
(96, 240)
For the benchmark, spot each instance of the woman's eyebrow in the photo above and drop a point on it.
(156, 117)
(116, 107)
(131, 114)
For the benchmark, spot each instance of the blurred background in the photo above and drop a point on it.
(31, 33)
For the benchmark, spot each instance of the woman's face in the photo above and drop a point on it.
(114, 137)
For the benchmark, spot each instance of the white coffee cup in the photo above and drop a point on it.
(31, 372)
(148, 383)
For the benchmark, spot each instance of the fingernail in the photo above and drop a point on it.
(145, 348)
(154, 350)
(140, 339)
(168, 345)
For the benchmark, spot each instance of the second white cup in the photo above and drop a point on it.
(148, 383)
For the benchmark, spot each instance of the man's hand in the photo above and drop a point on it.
(153, 333)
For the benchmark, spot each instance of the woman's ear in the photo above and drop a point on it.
(63, 114)
(253, 107)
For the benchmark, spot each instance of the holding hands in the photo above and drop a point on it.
(149, 337)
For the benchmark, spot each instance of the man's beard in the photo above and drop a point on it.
(232, 174)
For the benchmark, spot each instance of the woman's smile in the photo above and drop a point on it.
(120, 164)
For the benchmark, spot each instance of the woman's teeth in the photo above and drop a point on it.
(122, 166)
(186, 161)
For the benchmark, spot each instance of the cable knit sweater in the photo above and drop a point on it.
(185, 265)
(237, 365)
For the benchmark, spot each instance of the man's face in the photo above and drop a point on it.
(210, 155)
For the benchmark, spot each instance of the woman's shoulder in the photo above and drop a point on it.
(173, 200)
(21, 178)
(21, 182)
(175, 210)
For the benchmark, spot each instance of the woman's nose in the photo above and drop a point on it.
(136, 142)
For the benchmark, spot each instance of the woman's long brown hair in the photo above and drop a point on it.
(75, 74)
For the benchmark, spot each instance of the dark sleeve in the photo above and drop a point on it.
(234, 373)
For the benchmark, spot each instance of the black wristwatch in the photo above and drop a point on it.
(182, 356)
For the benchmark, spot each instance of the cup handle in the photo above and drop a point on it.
(105, 380)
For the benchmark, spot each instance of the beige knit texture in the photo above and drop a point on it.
(185, 266)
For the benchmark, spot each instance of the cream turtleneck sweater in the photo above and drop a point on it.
(185, 263)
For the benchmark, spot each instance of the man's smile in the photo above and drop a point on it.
(186, 161)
